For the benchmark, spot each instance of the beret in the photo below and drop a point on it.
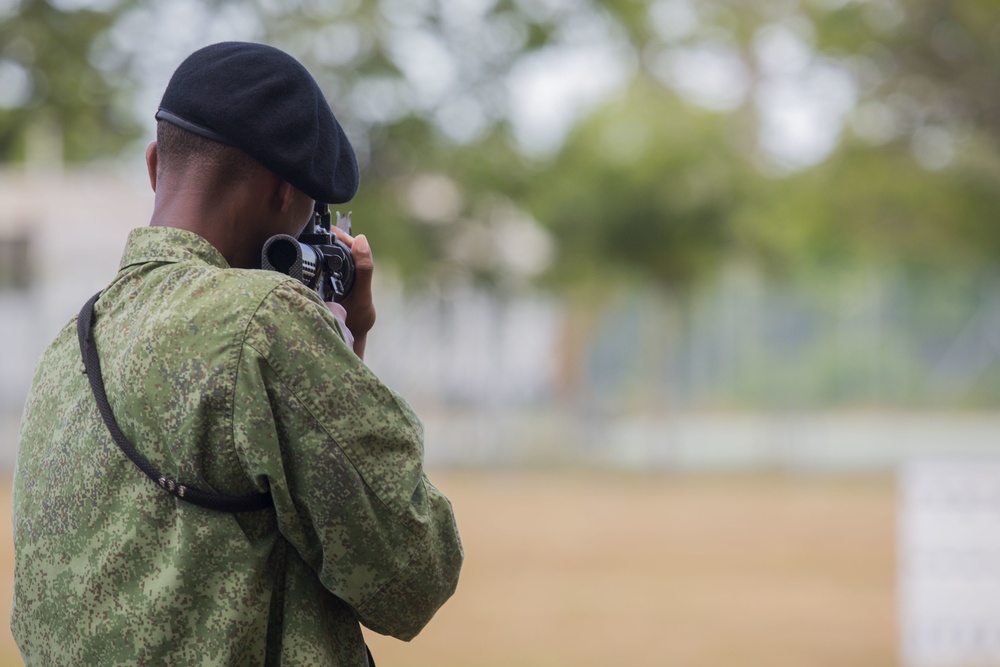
(262, 100)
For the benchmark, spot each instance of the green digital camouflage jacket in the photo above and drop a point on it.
(233, 381)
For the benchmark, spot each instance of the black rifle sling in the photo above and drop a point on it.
(213, 501)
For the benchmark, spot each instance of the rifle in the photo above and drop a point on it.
(317, 258)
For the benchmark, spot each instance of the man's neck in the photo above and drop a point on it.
(223, 220)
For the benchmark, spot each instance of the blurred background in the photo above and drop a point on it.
(681, 290)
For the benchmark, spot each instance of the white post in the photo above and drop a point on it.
(949, 563)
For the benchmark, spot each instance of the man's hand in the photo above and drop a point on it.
(360, 310)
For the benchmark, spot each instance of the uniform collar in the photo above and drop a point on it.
(169, 244)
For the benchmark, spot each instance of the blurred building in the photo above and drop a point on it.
(61, 234)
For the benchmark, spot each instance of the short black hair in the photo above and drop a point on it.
(178, 149)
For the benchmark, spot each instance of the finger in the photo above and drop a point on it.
(343, 236)
(364, 267)
(361, 253)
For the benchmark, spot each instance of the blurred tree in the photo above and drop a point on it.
(647, 187)
(795, 132)
(56, 79)
(929, 68)
(874, 126)
(866, 204)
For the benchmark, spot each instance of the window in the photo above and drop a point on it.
(15, 261)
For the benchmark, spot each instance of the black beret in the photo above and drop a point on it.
(263, 101)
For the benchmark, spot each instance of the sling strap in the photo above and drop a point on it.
(214, 501)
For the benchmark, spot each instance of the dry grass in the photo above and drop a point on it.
(614, 570)
(623, 570)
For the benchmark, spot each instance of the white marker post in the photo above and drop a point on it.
(949, 563)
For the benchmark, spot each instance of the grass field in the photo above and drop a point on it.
(608, 570)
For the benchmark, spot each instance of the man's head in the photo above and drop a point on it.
(263, 102)
(246, 144)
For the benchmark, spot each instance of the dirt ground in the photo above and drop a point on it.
(611, 570)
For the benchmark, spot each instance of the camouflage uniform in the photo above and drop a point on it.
(234, 381)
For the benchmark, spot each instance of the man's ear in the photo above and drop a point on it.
(284, 195)
(151, 163)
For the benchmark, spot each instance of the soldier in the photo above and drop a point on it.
(235, 385)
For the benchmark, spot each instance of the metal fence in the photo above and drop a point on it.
(838, 340)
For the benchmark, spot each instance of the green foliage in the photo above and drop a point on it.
(931, 62)
(67, 93)
(876, 205)
(648, 186)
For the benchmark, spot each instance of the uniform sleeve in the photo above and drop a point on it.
(343, 457)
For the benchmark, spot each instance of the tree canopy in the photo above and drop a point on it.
(507, 141)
